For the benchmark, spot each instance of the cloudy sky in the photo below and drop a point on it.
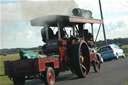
(16, 31)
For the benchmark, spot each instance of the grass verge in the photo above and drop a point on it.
(125, 49)
(4, 80)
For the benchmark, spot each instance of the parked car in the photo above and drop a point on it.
(111, 51)
(92, 50)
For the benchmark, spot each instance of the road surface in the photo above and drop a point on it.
(113, 72)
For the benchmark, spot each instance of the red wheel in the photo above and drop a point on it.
(96, 64)
(80, 59)
(49, 76)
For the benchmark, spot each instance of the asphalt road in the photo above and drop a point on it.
(114, 72)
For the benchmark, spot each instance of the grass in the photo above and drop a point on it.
(4, 80)
(124, 46)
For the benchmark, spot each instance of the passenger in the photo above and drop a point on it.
(90, 36)
(90, 40)
(51, 35)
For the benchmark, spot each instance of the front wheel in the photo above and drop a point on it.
(49, 76)
(96, 64)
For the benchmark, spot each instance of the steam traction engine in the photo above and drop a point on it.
(68, 48)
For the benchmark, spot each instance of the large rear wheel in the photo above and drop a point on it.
(80, 59)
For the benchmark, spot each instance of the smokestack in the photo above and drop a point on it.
(82, 13)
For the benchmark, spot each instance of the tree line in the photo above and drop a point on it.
(118, 41)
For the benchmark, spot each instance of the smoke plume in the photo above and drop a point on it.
(34, 9)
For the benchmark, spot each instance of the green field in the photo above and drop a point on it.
(4, 80)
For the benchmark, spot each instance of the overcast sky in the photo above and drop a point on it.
(16, 31)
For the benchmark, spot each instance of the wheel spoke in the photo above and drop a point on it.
(83, 67)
